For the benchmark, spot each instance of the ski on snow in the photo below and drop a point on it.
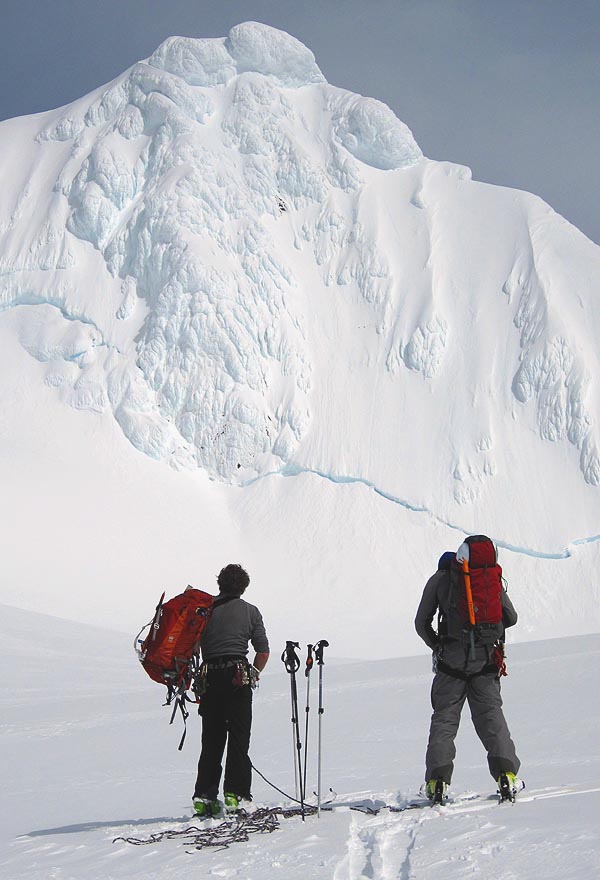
(237, 827)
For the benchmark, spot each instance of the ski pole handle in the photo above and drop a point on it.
(319, 648)
(309, 660)
(290, 657)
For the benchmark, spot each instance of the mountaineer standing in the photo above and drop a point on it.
(226, 704)
(473, 610)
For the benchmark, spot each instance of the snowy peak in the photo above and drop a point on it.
(249, 47)
(167, 88)
(172, 182)
(257, 272)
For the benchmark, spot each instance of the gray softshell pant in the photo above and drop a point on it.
(448, 695)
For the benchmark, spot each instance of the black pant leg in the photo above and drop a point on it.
(214, 735)
(238, 771)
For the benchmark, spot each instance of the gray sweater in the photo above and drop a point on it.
(230, 628)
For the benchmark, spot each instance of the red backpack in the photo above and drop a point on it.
(169, 653)
(485, 576)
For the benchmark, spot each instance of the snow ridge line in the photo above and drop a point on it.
(294, 470)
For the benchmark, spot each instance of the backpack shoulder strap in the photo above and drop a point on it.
(223, 600)
(445, 602)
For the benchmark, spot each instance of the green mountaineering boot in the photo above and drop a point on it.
(436, 791)
(509, 786)
(231, 801)
(205, 808)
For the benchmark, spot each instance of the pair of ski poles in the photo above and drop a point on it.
(292, 665)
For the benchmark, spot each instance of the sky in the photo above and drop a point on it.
(509, 89)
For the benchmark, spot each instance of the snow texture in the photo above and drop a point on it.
(87, 762)
(259, 278)
(146, 191)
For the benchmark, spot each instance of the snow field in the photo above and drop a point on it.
(87, 762)
(95, 531)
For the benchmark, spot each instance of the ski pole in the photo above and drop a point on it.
(292, 665)
(307, 671)
(319, 648)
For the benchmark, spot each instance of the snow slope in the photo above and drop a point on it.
(350, 355)
(86, 761)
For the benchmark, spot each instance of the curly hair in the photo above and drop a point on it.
(233, 579)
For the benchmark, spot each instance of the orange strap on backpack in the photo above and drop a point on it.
(470, 606)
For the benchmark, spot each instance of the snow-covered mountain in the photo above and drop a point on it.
(221, 262)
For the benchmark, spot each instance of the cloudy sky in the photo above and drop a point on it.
(510, 88)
